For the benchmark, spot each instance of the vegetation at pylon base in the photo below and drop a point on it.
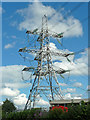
(8, 106)
(78, 112)
(75, 112)
(0, 112)
(55, 114)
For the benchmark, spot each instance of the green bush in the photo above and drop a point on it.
(8, 106)
(23, 115)
(88, 111)
(75, 112)
(55, 114)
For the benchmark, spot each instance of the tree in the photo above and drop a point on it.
(8, 106)
(0, 112)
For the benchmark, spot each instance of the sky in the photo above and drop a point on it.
(17, 18)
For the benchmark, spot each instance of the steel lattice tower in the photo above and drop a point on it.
(45, 81)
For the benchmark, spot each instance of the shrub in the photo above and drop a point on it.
(65, 109)
(78, 112)
(55, 113)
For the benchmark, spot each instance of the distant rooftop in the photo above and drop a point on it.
(63, 101)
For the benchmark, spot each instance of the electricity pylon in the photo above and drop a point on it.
(45, 81)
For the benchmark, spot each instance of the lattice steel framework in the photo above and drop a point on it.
(45, 81)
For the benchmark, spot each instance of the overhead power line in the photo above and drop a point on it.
(64, 16)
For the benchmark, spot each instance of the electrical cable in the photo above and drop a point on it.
(79, 5)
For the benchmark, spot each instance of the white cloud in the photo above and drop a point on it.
(62, 84)
(20, 101)
(69, 90)
(11, 82)
(12, 77)
(73, 96)
(42, 102)
(11, 73)
(9, 92)
(52, 46)
(78, 66)
(17, 85)
(9, 45)
(1, 103)
(32, 18)
(67, 96)
(76, 96)
(77, 84)
(59, 52)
